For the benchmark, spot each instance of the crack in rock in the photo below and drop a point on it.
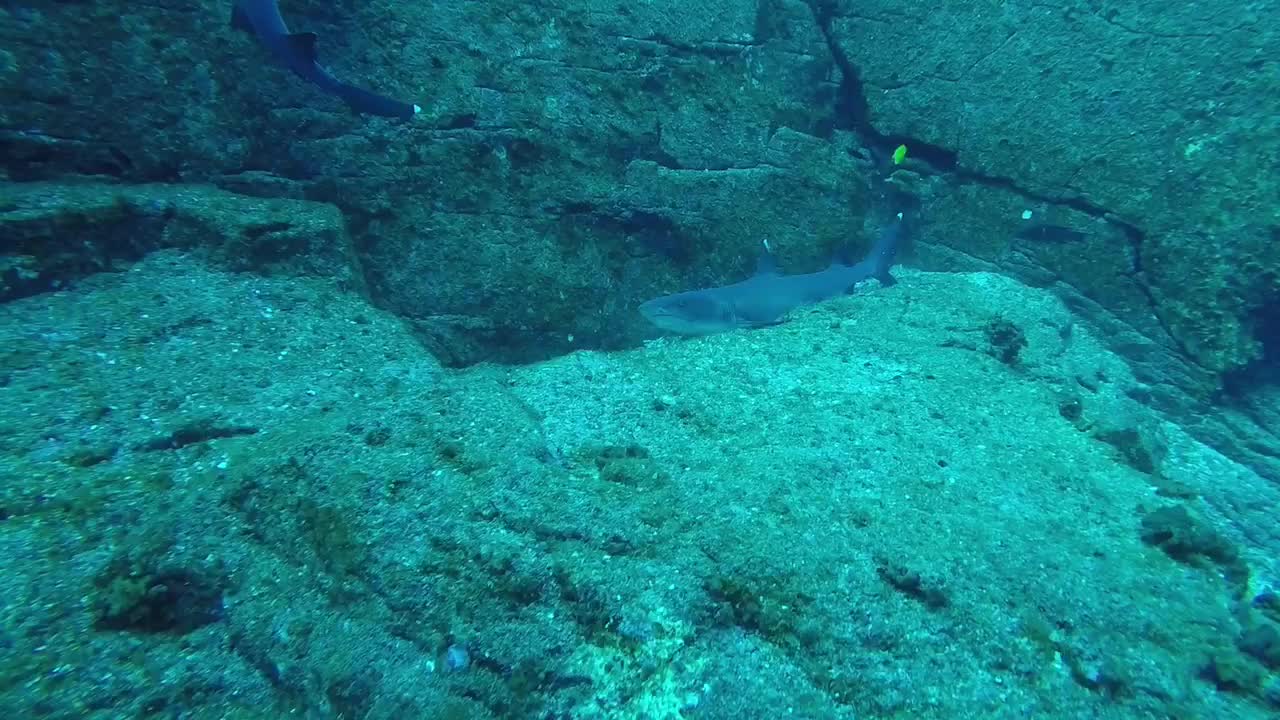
(852, 113)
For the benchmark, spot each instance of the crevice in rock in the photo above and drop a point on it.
(851, 110)
(29, 155)
(852, 113)
(1264, 371)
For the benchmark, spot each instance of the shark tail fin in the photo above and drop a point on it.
(885, 250)
(364, 101)
(880, 258)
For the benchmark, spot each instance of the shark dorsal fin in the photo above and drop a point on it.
(304, 44)
(766, 264)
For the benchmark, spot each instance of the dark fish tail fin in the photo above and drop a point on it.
(884, 251)
(364, 101)
(358, 99)
(297, 51)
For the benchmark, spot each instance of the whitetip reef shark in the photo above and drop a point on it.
(766, 297)
(297, 51)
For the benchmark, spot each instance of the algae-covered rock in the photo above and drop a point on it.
(528, 287)
(504, 220)
(856, 494)
(574, 159)
(1216, 291)
(1165, 126)
(1139, 119)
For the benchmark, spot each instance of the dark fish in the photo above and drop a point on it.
(1043, 232)
(297, 51)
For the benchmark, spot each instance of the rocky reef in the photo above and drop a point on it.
(574, 158)
(228, 495)
(169, 197)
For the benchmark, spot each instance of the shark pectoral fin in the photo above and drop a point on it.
(240, 21)
(760, 317)
(303, 45)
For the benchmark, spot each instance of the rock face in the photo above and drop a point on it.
(234, 469)
(923, 501)
(1163, 122)
(574, 159)
(56, 234)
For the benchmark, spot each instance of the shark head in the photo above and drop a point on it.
(696, 312)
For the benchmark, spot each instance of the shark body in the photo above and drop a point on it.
(766, 297)
(297, 51)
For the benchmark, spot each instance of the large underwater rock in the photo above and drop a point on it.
(1162, 121)
(574, 159)
(229, 495)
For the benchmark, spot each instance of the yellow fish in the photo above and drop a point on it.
(900, 154)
